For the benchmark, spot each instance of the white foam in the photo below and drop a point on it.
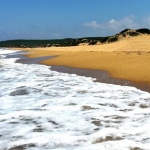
(42, 109)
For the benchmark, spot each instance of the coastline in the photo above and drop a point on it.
(45, 55)
(101, 76)
(127, 59)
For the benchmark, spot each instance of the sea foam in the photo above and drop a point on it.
(42, 109)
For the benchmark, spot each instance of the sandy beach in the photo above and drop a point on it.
(127, 59)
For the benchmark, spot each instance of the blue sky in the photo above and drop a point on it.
(53, 19)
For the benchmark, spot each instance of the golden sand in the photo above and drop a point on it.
(129, 58)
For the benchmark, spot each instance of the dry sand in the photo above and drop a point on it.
(128, 58)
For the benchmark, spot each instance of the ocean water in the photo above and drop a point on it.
(42, 109)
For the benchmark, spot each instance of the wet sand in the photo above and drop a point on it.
(25, 60)
(33, 60)
(101, 76)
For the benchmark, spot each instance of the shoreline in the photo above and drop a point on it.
(127, 59)
(99, 75)
(125, 65)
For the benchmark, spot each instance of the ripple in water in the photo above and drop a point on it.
(42, 109)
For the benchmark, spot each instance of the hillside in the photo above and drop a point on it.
(74, 42)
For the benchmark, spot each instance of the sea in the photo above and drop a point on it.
(41, 109)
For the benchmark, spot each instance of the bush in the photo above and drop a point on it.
(105, 39)
(125, 30)
(92, 42)
(112, 39)
(144, 31)
(133, 33)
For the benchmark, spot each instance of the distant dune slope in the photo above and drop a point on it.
(127, 33)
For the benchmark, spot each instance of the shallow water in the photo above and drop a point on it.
(42, 109)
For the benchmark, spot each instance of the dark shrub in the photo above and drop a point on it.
(105, 39)
(133, 33)
(144, 31)
(125, 30)
(92, 42)
(112, 39)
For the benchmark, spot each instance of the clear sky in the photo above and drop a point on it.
(53, 19)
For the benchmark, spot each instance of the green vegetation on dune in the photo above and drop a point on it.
(72, 41)
(49, 43)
